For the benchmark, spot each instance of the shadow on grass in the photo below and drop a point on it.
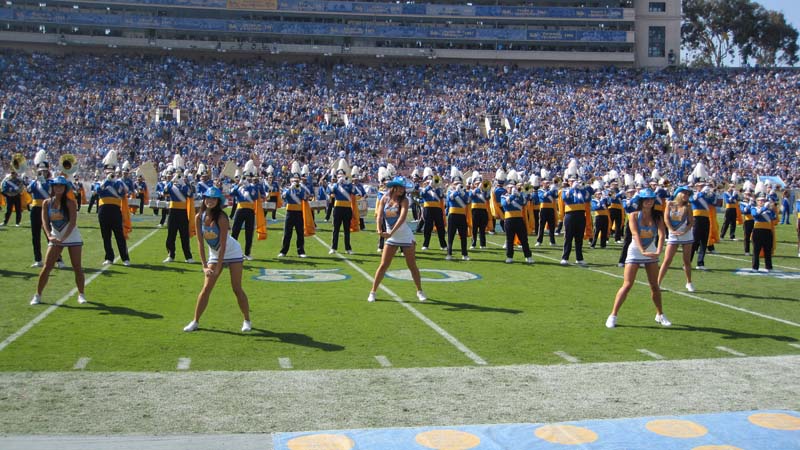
(450, 306)
(302, 340)
(113, 310)
(724, 333)
(169, 267)
(755, 297)
(24, 275)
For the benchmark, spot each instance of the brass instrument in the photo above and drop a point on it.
(486, 185)
(666, 183)
(557, 180)
(18, 163)
(437, 181)
(68, 164)
(229, 170)
(527, 188)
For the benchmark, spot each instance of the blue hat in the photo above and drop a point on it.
(215, 192)
(679, 190)
(647, 193)
(400, 182)
(60, 180)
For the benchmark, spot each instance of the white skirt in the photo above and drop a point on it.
(685, 238)
(635, 255)
(403, 237)
(73, 240)
(233, 252)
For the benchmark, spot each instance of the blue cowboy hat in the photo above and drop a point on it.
(679, 190)
(647, 193)
(399, 182)
(215, 192)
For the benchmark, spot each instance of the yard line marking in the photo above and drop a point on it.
(750, 261)
(685, 294)
(566, 356)
(285, 363)
(649, 353)
(383, 361)
(81, 363)
(729, 350)
(19, 333)
(795, 345)
(184, 363)
(450, 338)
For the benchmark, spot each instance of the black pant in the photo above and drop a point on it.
(730, 220)
(110, 219)
(480, 220)
(535, 228)
(328, 210)
(616, 222)
(457, 223)
(433, 216)
(547, 216)
(274, 199)
(294, 223)
(421, 221)
(574, 227)
(92, 201)
(178, 222)
(762, 240)
(748, 231)
(342, 216)
(623, 255)
(515, 226)
(78, 199)
(15, 202)
(702, 226)
(141, 203)
(601, 229)
(246, 217)
(36, 232)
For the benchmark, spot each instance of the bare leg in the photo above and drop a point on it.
(236, 283)
(687, 262)
(668, 255)
(205, 293)
(386, 260)
(622, 294)
(75, 260)
(652, 278)
(411, 262)
(53, 253)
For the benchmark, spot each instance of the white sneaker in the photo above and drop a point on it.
(281, 255)
(611, 322)
(448, 258)
(581, 263)
(17, 225)
(472, 247)
(248, 257)
(505, 246)
(509, 260)
(161, 225)
(36, 264)
(764, 270)
(302, 255)
(81, 299)
(620, 264)
(246, 326)
(618, 242)
(564, 262)
(168, 259)
(424, 248)
(60, 264)
(349, 252)
(690, 287)
(798, 254)
(380, 250)
(108, 262)
(465, 258)
(331, 251)
(127, 263)
(552, 244)
(36, 299)
(700, 267)
(538, 244)
(192, 326)
(371, 297)
(750, 254)
(529, 260)
(662, 319)
(190, 261)
(421, 296)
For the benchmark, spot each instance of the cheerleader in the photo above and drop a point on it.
(679, 222)
(60, 222)
(214, 224)
(646, 225)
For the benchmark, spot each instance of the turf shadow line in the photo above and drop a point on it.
(442, 332)
(300, 339)
(27, 327)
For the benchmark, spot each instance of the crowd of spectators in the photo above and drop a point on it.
(742, 121)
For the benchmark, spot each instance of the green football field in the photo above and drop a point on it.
(312, 313)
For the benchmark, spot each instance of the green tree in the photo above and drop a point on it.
(772, 42)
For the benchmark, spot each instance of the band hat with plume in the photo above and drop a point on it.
(391, 171)
(249, 169)
(305, 170)
(476, 176)
(655, 175)
(342, 168)
(415, 173)
(126, 166)
(270, 169)
(110, 160)
(534, 180)
(295, 170)
(700, 173)
(545, 174)
(355, 172)
(500, 175)
(201, 170)
(178, 163)
(455, 174)
(40, 160)
(383, 174)
(427, 173)
(513, 176)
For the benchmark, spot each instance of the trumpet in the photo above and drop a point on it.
(486, 185)
(68, 163)
(437, 181)
(18, 163)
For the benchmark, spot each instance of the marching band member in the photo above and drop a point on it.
(786, 208)
(360, 192)
(383, 178)
(111, 212)
(730, 199)
(631, 204)
(162, 195)
(679, 222)
(575, 201)
(600, 207)
(80, 192)
(12, 187)
(248, 194)
(480, 211)
(60, 222)
(181, 205)
(130, 185)
(141, 189)
(293, 196)
(273, 190)
(392, 226)
(513, 202)
(343, 194)
(94, 198)
(416, 211)
(223, 250)
(646, 225)
(458, 205)
(237, 179)
(498, 190)
(432, 196)
(203, 181)
(40, 191)
(744, 207)
(701, 201)
(763, 230)
(547, 209)
(533, 200)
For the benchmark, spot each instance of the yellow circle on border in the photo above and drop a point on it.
(716, 447)
(775, 421)
(676, 428)
(448, 440)
(566, 434)
(321, 442)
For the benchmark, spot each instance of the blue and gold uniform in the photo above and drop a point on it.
(40, 191)
(246, 194)
(480, 214)
(744, 208)
(575, 200)
(293, 197)
(601, 210)
(702, 201)
(548, 196)
(343, 194)
(763, 231)
(111, 196)
(513, 203)
(458, 205)
(432, 198)
(615, 212)
(12, 187)
(180, 194)
(730, 201)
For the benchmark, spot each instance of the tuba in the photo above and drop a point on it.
(437, 181)
(527, 188)
(18, 163)
(486, 185)
(68, 164)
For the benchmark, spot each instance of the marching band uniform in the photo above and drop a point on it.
(630, 205)
(749, 222)
(93, 199)
(343, 191)
(480, 213)
(12, 188)
(293, 197)
(161, 188)
(458, 201)
(763, 230)
(40, 191)
(615, 210)
(433, 214)
(547, 213)
(701, 205)
(360, 192)
(601, 209)
(109, 212)
(533, 199)
(178, 222)
(512, 204)
(575, 199)
(247, 193)
(730, 199)
(273, 192)
(141, 189)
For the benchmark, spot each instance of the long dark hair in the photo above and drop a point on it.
(396, 197)
(63, 206)
(657, 215)
(214, 212)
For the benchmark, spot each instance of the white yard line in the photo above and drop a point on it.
(285, 363)
(567, 357)
(729, 350)
(450, 338)
(795, 345)
(647, 352)
(748, 261)
(81, 363)
(27, 327)
(184, 363)
(692, 296)
(383, 361)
